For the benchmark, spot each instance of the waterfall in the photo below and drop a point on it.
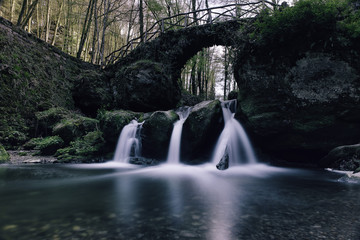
(233, 146)
(129, 143)
(175, 141)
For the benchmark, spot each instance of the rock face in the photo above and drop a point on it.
(301, 107)
(156, 134)
(145, 86)
(345, 158)
(201, 131)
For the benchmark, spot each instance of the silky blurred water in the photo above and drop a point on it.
(121, 201)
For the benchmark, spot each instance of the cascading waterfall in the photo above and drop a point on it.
(233, 146)
(129, 143)
(175, 140)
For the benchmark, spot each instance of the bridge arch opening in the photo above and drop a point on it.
(209, 73)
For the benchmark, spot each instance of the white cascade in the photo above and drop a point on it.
(129, 143)
(233, 142)
(175, 140)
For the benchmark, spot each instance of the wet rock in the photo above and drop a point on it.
(201, 131)
(346, 158)
(156, 134)
(224, 162)
(143, 161)
(49, 145)
(111, 124)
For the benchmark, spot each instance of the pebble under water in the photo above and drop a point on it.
(107, 201)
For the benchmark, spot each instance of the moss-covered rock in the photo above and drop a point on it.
(89, 148)
(111, 124)
(46, 120)
(156, 134)
(4, 156)
(201, 131)
(49, 145)
(72, 128)
(345, 158)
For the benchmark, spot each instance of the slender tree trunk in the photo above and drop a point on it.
(47, 21)
(141, 20)
(22, 12)
(30, 11)
(193, 78)
(95, 35)
(105, 23)
(38, 22)
(193, 4)
(12, 9)
(226, 72)
(131, 22)
(57, 23)
(86, 27)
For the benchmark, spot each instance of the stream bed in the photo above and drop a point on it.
(120, 201)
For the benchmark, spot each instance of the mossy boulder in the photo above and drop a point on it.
(145, 86)
(89, 148)
(4, 155)
(201, 131)
(46, 120)
(112, 122)
(48, 145)
(346, 158)
(77, 126)
(156, 134)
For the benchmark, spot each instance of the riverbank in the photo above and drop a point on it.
(24, 157)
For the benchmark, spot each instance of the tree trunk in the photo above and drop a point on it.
(29, 13)
(105, 23)
(58, 22)
(86, 27)
(193, 78)
(226, 72)
(193, 10)
(141, 20)
(12, 10)
(95, 35)
(47, 22)
(22, 13)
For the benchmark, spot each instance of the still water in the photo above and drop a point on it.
(110, 201)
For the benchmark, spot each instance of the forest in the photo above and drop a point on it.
(92, 29)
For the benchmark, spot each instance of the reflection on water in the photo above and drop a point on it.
(106, 201)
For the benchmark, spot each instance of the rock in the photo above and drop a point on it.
(145, 86)
(143, 161)
(346, 158)
(156, 134)
(4, 156)
(49, 145)
(224, 162)
(111, 124)
(46, 120)
(74, 127)
(299, 107)
(201, 131)
(89, 148)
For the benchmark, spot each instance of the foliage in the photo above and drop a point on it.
(4, 156)
(87, 148)
(74, 127)
(49, 145)
(308, 19)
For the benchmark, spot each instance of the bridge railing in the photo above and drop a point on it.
(195, 18)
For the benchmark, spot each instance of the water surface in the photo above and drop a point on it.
(176, 202)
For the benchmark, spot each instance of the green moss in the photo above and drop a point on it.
(4, 156)
(49, 145)
(32, 143)
(87, 148)
(307, 22)
(70, 129)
